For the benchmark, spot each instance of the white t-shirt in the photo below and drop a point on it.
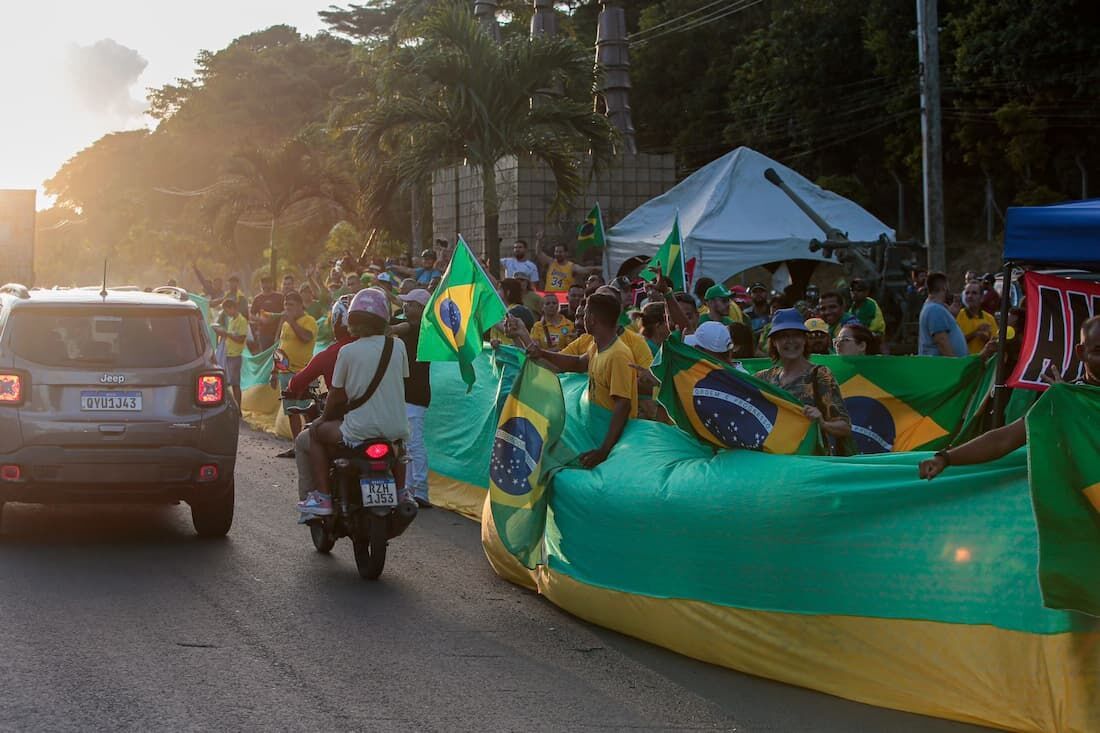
(512, 266)
(383, 415)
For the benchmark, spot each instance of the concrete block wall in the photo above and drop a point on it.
(526, 192)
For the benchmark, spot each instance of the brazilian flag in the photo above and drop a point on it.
(671, 259)
(727, 407)
(523, 459)
(590, 233)
(463, 307)
(905, 403)
(1063, 449)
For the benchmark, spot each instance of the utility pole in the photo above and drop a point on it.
(928, 43)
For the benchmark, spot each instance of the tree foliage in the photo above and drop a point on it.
(827, 86)
(459, 96)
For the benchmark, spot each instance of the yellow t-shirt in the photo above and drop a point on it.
(969, 325)
(639, 349)
(237, 326)
(298, 352)
(553, 337)
(559, 278)
(610, 375)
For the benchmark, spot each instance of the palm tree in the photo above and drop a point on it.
(458, 96)
(271, 186)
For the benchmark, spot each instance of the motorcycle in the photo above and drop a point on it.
(365, 503)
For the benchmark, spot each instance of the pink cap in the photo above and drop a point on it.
(371, 300)
(420, 295)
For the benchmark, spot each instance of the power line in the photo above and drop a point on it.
(736, 7)
(646, 31)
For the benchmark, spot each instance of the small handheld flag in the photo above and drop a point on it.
(462, 308)
(590, 234)
(670, 258)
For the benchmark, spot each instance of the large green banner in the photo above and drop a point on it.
(1064, 456)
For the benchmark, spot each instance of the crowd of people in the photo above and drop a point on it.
(571, 318)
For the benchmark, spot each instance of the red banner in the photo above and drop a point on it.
(1056, 308)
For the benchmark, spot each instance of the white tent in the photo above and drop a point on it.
(732, 219)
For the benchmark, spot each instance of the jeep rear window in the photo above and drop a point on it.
(128, 338)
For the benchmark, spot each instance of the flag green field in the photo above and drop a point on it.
(860, 536)
(1064, 457)
(463, 307)
(590, 234)
(905, 403)
(897, 403)
(670, 257)
(524, 456)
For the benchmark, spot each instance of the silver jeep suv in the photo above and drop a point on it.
(114, 397)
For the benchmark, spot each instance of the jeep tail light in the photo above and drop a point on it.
(208, 472)
(210, 390)
(377, 451)
(11, 472)
(11, 389)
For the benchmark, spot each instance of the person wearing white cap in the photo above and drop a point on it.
(713, 338)
(418, 393)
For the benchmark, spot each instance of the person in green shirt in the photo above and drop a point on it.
(720, 306)
(865, 308)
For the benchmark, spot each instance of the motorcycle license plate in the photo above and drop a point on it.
(378, 492)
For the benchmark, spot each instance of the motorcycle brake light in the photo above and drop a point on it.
(377, 450)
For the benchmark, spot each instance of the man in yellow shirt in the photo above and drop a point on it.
(978, 326)
(612, 382)
(561, 273)
(297, 336)
(235, 333)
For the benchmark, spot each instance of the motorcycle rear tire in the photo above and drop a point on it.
(323, 539)
(369, 543)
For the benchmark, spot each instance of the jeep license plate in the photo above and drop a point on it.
(103, 401)
(378, 492)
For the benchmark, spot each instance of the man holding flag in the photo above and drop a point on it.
(463, 307)
(612, 382)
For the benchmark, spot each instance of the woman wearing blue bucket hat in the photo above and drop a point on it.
(812, 385)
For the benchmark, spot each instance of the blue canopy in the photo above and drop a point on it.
(1062, 234)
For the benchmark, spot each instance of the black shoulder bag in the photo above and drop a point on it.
(383, 363)
(832, 446)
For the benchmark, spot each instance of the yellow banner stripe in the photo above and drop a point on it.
(1092, 493)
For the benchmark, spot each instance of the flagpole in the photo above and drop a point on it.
(683, 254)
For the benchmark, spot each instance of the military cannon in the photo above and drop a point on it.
(883, 264)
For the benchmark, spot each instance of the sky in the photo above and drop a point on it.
(74, 70)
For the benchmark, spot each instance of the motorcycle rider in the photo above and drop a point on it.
(382, 416)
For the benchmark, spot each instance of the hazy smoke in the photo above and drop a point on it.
(100, 77)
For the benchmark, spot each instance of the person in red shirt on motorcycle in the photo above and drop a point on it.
(320, 366)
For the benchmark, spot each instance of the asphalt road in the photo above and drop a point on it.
(121, 619)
